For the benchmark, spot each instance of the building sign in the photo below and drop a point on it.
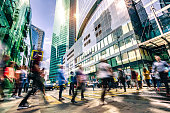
(34, 53)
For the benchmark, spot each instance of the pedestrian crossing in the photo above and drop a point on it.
(89, 95)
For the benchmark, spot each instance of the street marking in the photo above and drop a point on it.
(70, 97)
(90, 95)
(52, 100)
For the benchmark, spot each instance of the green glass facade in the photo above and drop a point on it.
(15, 16)
(60, 39)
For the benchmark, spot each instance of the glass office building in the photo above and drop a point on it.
(15, 16)
(37, 36)
(64, 33)
(116, 30)
(34, 36)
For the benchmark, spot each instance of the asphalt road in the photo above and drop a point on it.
(132, 101)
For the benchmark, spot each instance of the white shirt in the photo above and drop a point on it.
(103, 70)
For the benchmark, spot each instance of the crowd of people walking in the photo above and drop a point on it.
(17, 78)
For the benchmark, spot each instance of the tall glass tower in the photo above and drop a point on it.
(63, 33)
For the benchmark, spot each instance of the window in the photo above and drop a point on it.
(107, 52)
(86, 37)
(111, 50)
(114, 36)
(96, 34)
(98, 45)
(110, 39)
(125, 58)
(100, 32)
(99, 26)
(132, 56)
(138, 54)
(128, 42)
(102, 43)
(121, 43)
(87, 42)
(95, 47)
(96, 29)
(134, 40)
(118, 59)
(114, 62)
(116, 47)
(105, 41)
(125, 29)
(130, 26)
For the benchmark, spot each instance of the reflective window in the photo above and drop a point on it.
(118, 59)
(105, 41)
(98, 45)
(138, 54)
(125, 58)
(114, 36)
(108, 52)
(125, 29)
(111, 50)
(134, 40)
(114, 62)
(130, 26)
(121, 43)
(102, 43)
(132, 56)
(128, 42)
(116, 48)
(96, 48)
(110, 39)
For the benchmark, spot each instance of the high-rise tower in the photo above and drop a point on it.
(64, 33)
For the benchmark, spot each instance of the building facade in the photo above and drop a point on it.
(72, 23)
(15, 16)
(124, 32)
(37, 36)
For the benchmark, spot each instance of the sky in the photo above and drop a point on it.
(43, 17)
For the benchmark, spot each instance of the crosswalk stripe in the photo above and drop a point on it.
(52, 100)
(89, 95)
(70, 97)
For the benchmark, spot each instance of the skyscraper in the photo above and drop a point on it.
(64, 33)
(37, 36)
(72, 23)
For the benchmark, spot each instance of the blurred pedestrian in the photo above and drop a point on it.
(62, 81)
(104, 73)
(146, 74)
(81, 79)
(163, 69)
(128, 79)
(152, 76)
(3, 65)
(134, 76)
(71, 81)
(157, 78)
(37, 83)
(26, 81)
(94, 81)
(139, 78)
(9, 75)
(122, 78)
(116, 81)
(43, 75)
(18, 82)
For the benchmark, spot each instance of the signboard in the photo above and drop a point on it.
(34, 52)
